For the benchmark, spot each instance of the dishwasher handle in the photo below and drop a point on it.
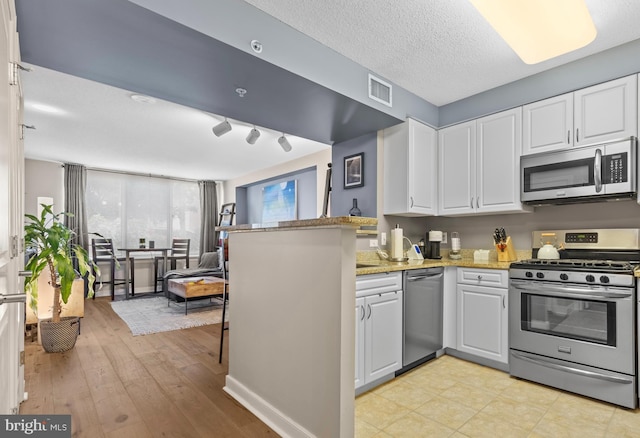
(422, 277)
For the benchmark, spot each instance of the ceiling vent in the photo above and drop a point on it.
(379, 90)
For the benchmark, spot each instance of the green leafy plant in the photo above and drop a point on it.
(55, 252)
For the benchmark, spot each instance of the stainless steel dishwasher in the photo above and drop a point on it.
(422, 316)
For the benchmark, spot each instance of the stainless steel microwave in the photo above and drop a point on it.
(585, 174)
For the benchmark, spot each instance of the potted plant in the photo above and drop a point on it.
(54, 255)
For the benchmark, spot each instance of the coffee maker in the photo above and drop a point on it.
(434, 239)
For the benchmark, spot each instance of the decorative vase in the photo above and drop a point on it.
(59, 336)
(355, 211)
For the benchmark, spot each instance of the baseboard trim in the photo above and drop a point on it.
(267, 413)
(479, 360)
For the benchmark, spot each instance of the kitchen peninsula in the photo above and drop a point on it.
(292, 323)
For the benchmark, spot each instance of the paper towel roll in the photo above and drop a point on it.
(396, 243)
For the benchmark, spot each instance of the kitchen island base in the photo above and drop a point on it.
(292, 329)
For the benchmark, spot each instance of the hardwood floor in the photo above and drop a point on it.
(116, 385)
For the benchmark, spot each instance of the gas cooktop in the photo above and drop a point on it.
(578, 264)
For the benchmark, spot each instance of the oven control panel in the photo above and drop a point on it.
(581, 237)
(592, 278)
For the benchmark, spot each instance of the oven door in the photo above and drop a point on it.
(591, 325)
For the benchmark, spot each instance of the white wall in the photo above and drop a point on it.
(43, 179)
(319, 159)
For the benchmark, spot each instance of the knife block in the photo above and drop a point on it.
(508, 254)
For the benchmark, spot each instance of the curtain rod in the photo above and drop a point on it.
(150, 175)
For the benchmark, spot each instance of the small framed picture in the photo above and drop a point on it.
(354, 171)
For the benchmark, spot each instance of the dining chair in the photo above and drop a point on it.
(225, 294)
(179, 251)
(102, 252)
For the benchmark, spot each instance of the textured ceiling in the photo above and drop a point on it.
(441, 50)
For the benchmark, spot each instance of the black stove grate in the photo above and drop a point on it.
(577, 265)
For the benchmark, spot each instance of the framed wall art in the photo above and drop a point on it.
(354, 171)
(279, 202)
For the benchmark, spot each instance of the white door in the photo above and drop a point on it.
(11, 208)
(483, 322)
(383, 335)
(457, 171)
(547, 125)
(422, 176)
(360, 312)
(606, 111)
(498, 146)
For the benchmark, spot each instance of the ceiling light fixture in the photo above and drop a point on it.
(141, 98)
(253, 136)
(284, 143)
(542, 29)
(222, 128)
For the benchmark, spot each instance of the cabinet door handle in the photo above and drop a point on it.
(577, 135)
(369, 306)
(471, 202)
(503, 303)
(478, 202)
(479, 277)
(362, 310)
(568, 136)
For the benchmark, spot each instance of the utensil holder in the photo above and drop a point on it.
(508, 253)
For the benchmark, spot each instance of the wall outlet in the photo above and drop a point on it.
(383, 238)
(373, 243)
(444, 237)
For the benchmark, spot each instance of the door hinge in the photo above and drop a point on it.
(21, 358)
(23, 127)
(14, 68)
(14, 246)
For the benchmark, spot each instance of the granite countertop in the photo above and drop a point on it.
(363, 268)
(368, 262)
(354, 221)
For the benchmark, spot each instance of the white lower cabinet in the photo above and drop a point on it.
(378, 334)
(482, 313)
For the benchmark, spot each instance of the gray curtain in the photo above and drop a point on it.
(209, 216)
(75, 187)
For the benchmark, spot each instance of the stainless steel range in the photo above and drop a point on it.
(572, 320)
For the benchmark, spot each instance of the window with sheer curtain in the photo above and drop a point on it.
(127, 208)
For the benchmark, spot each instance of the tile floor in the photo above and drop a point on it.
(449, 397)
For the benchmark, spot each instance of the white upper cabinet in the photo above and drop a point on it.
(499, 146)
(457, 170)
(479, 165)
(410, 178)
(547, 125)
(606, 111)
(595, 114)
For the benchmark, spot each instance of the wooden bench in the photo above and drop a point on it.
(195, 287)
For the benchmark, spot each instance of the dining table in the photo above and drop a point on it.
(129, 251)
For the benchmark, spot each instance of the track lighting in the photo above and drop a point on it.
(222, 128)
(253, 136)
(284, 143)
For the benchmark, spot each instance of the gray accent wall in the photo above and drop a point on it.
(249, 198)
(341, 198)
(611, 64)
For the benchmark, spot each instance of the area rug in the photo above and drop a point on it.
(151, 315)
